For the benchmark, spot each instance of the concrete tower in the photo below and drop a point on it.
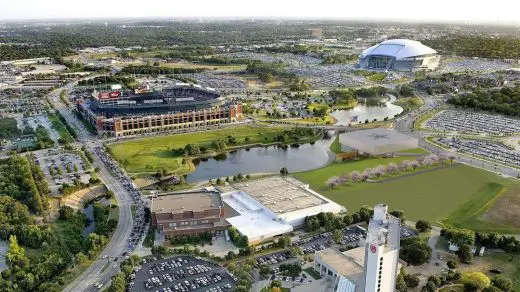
(382, 251)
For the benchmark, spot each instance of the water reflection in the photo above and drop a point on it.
(362, 112)
(263, 160)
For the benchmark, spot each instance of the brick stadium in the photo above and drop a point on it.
(126, 113)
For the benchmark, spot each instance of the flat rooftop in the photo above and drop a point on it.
(280, 194)
(347, 264)
(375, 137)
(182, 202)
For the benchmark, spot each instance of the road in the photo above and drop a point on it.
(119, 240)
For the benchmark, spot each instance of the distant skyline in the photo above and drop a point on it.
(465, 11)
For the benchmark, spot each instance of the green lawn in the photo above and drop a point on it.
(336, 146)
(312, 273)
(60, 128)
(150, 154)
(455, 194)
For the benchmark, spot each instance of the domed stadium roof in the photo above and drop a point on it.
(399, 49)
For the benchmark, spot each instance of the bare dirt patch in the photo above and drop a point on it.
(506, 210)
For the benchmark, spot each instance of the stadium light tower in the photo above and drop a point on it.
(382, 251)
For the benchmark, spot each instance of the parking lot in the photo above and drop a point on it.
(182, 274)
(312, 244)
(471, 122)
(61, 167)
(485, 149)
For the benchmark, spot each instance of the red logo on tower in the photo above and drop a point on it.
(373, 248)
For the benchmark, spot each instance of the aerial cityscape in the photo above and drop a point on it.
(222, 152)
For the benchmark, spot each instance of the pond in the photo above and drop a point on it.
(263, 160)
(363, 111)
(89, 212)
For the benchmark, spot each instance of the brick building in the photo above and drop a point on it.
(188, 213)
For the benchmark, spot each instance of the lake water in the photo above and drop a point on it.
(89, 212)
(361, 112)
(263, 160)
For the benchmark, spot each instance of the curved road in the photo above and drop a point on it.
(119, 240)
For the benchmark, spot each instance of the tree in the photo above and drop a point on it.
(66, 213)
(430, 286)
(423, 226)
(502, 283)
(80, 258)
(400, 284)
(284, 171)
(414, 251)
(435, 279)
(118, 283)
(284, 241)
(332, 182)
(464, 253)
(219, 181)
(412, 280)
(398, 214)
(292, 270)
(347, 219)
(264, 271)
(452, 264)
(478, 279)
(275, 283)
(337, 235)
(15, 257)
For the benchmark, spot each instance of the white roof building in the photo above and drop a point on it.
(273, 206)
(399, 55)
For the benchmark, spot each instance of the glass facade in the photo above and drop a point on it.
(380, 62)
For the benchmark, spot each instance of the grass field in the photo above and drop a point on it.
(150, 154)
(336, 146)
(415, 151)
(60, 128)
(458, 195)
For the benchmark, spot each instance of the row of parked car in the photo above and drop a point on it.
(274, 258)
(185, 286)
(164, 266)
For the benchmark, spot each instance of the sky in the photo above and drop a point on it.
(467, 11)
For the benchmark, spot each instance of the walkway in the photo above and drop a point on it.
(416, 173)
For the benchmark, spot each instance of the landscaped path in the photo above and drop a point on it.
(415, 173)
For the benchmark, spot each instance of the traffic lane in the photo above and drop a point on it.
(118, 242)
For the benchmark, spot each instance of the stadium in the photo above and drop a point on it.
(399, 55)
(124, 113)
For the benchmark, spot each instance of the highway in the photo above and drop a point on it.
(119, 241)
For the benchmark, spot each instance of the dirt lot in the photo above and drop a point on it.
(506, 211)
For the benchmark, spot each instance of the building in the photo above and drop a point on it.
(382, 251)
(346, 268)
(370, 268)
(399, 55)
(188, 213)
(378, 141)
(124, 113)
(273, 206)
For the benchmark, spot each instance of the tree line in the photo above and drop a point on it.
(504, 101)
